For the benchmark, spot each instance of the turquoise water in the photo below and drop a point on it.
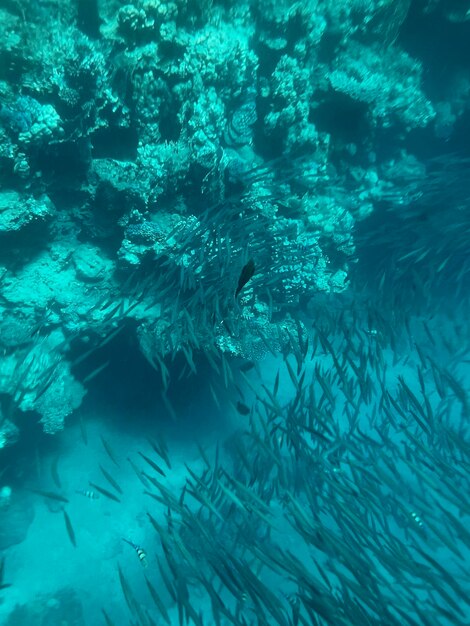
(234, 340)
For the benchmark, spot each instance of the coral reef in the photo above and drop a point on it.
(64, 607)
(387, 82)
(17, 211)
(148, 150)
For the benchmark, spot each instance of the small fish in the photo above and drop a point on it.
(138, 473)
(3, 585)
(109, 451)
(276, 384)
(83, 431)
(46, 386)
(140, 552)
(52, 495)
(95, 372)
(152, 464)
(126, 590)
(107, 619)
(245, 275)
(247, 366)
(69, 527)
(214, 396)
(160, 447)
(105, 340)
(105, 492)
(55, 473)
(158, 602)
(242, 408)
(110, 480)
(169, 407)
(88, 493)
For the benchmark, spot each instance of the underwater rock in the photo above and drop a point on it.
(118, 185)
(15, 330)
(18, 210)
(60, 400)
(48, 386)
(62, 608)
(91, 265)
(9, 433)
(15, 520)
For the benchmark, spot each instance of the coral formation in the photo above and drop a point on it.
(17, 210)
(63, 607)
(387, 82)
(149, 149)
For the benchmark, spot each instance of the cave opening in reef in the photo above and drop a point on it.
(131, 393)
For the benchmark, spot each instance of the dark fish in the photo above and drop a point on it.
(110, 480)
(107, 619)
(276, 384)
(83, 431)
(169, 407)
(188, 353)
(458, 389)
(127, 591)
(161, 448)
(95, 372)
(69, 527)
(55, 472)
(166, 580)
(138, 473)
(49, 494)
(212, 362)
(152, 464)
(101, 344)
(52, 378)
(105, 492)
(242, 408)
(214, 396)
(158, 601)
(38, 463)
(109, 451)
(2, 572)
(245, 275)
(247, 366)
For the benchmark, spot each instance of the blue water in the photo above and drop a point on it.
(234, 340)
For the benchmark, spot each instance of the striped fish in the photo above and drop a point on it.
(140, 552)
(88, 493)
